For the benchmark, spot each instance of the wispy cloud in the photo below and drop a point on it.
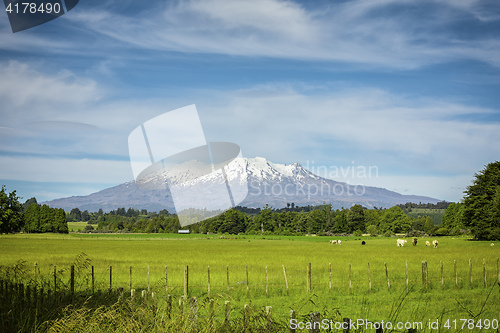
(385, 32)
(425, 135)
(45, 169)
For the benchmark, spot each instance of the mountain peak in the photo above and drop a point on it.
(268, 183)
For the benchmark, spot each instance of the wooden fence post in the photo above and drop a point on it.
(208, 275)
(267, 295)
(456, 273)
(309, 277)
(227, 276)
(293, 315)
(329, 277)
(35, 296)
(93, 280)
(387, 276)
(350, 282)
(166, 279)
(406, 274)
(130, 278)
(148, 281)
(442, 277)
(248, 284)
(484, 272)
(470, 273)
(286, 281)
(110, 277)
(55, 279)
(424, 274)
(369, 279)
(227, 312)
(169, 306)
(498, 271)
(186, 282)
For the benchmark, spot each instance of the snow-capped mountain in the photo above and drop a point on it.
(252, 182)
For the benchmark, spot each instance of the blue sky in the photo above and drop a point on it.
(410, 87)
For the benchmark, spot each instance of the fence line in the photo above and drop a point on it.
(21, 296)
(267, 280)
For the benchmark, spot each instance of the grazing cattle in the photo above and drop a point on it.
(427, 243)
(363, 243)
(492, 244)
(401, 242)
(435, 243)
(333, 242)
(339, 242)
(414, 241)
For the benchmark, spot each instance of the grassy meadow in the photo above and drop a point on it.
(168, 254)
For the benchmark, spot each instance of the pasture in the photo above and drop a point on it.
(348, 280)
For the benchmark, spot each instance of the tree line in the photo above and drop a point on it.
(478, 213)
(320, 219)
(29, 217)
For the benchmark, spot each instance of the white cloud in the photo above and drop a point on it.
(22, 84)
(400, 135)
(29, 94)
(45, 169)
(361, 31)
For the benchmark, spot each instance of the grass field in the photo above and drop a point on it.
(152, 252)
(76, 226)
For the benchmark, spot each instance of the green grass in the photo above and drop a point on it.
(76, 226)
(256, 252)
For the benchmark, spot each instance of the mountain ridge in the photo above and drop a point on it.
(268, 183)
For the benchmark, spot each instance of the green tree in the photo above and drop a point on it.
(372, 229)
(482, 202)
(233, 222)
(341, 222)
(453, 217)
(395, 220)
(11, 212)
(356, 218)
(60, 225)
(75, 215)
(28, 203)
(32, 218)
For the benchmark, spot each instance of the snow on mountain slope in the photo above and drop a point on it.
(268, 183)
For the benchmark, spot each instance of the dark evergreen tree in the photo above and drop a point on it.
(28, 203)
(32, 218)
(482, 202)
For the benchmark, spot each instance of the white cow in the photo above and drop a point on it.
(401, 242)
(427, 243)
(435, 243)
(333, 242)
(492, 244)
(339, 242)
